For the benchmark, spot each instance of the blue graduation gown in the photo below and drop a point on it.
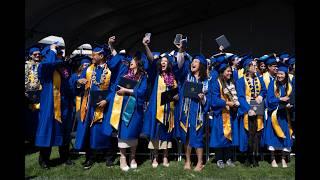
(98, 140)
(244, 108)
(271, 139)
(152, 128)
(132, 131)
(217, 138)
(50, 132)
(195, 136)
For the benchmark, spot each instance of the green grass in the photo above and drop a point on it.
(145, 171)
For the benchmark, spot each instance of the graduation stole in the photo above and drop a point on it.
(161, 109)
(274, 118)
(57, 96)
(291, 77)
(225, 116)
(266, 79)
(248, 98)
(117, 107)
(186, 110)
(98, 113)
(240, 73)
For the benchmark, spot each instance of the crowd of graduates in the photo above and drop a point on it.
(233, 87)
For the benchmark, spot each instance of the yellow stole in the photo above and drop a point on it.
(160, 108)
(225, 117)
(246, 116)
(291, 76)
(57, 95)
(240, 73)
(98, 113)
(274, 119)
(116, 111)
(266, 79)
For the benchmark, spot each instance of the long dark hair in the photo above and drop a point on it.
(140, 69)
(169, 66)
(203, 74)
(222, 80)
(286, 82)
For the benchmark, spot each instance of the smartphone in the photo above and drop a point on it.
(177, 39)
(148, 36)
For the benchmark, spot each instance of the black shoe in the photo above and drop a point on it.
(88, 164)
(247, 163)
(44, 165)
(109, 161)
(69, 162)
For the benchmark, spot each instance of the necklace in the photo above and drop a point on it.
(102, 77)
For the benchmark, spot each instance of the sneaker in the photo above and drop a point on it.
(274, 163)
(284, 163)
(124, 167)
(133, 165)
(69, 162)
(230, 163)
(88, 164)
(220, 164)
(44, 165)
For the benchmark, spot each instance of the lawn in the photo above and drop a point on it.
(145, 171)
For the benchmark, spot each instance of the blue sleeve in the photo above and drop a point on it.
(114, 62)
(216, 102)
(182, 73)
(263, 91)
(244, 105)
(140, 91)
(272, 100)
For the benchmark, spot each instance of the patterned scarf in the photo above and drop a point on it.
(230, 91)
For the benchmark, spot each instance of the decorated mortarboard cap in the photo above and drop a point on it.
(270, 60)
(263, 58)
(219, 58)
(221, 67)
(168, 56)
(85, 60)
(33, 49)
(283, 55)
(283, 67)
(156, 55)
(292, 60)
(247, 61)
(201, 58)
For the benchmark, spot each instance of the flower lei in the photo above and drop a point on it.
(168, 78)
(102, 77)
(131, 75)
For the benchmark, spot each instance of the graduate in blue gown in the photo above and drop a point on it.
(55, 107)
(234, 63)
(159, 119)
(77, 92)
(32, 83)
(250, 88)
(224, 126)
(261, 65)
(125, 112)
(94, 78)
(216, 60)
(279, 130)
(192, 111)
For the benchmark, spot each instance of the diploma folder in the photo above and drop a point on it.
(97, 96)
(127, 83)
(191, 89)
(167, 96)
(223, 41)
(258, 108)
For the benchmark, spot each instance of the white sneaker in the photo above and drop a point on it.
(274, 163)
(126, 167)
(154, 165)
(133, 165)
(284, 163)
(230, 163)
